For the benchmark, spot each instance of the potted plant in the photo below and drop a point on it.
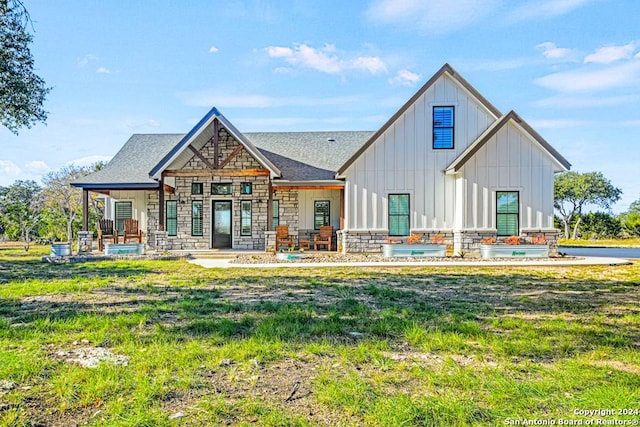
(414, 246)
(513, 247)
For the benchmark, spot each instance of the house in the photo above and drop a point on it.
(448, 162)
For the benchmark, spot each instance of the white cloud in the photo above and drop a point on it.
(88, 160)
(609, 54)
(326, 59)
(405, 78)
(7, 167)
(213, 49)
(84, 61)
(551, 51)
(588, 79)
(103, 70)
(37, 167)
(153, 123)
(545, 9)
(433, 16)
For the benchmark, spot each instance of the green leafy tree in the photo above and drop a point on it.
(600, 225)
(22, 92)
(573, 191)
(20, 208)
(631, 219)
(65, 201)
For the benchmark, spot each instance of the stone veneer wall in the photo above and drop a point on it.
(259, 198)
(372, 240)
(552, 236)
(468, 241)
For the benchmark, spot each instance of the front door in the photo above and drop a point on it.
(221, 236)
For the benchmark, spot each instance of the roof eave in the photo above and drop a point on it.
(467, 154)
(119, 186)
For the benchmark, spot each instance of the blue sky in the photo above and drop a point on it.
(571, 68)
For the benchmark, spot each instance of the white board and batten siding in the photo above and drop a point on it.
(510, 161)
(402, 160)
(306, 199)
(138, 201)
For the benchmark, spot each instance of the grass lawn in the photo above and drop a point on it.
(182, 345)
(614, 243)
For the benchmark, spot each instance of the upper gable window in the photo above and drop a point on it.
(443, 122)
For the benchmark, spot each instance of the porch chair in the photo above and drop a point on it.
(106, 232)
(324, 238)
(283, 237)
(132, 231)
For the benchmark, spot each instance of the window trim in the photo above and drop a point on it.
(244, 186)
(230, 193)
(167, 218)
(452, 127)
(242, 218)
(195, 218)
(328, 215)
(517, 214)
(199, 185)
(115, 214)
(275, 214)
(407, 215)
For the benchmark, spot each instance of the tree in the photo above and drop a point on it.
(22, 92)
(631, 219)
(573, 190)
(63, 200)
(600, 225)
(20, 208)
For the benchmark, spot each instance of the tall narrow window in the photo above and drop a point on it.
(172, 217)
(398, 214)
(196, 218)
(443, 122)
(275, 215)
(507, 213)
(124, 210)
(320, 213)
(245, 218)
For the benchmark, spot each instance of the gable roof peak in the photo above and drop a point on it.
(445, 69)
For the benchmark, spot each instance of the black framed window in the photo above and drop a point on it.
(245, 217)
(221, 189)
(507, 213)
(321, 210)
(196, 188)
(196, 218)
(275, 215)
(246, 188)
(172, 217)
(398, 215)
(124, 210)
(443, 125)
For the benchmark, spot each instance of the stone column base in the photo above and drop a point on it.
(85, 242)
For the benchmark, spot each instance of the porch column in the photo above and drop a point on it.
(161, 204)
(85, 209)
(342, 209)
(270, 207)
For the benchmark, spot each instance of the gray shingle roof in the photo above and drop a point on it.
(131, 165)
(319, 151)
(301, 156)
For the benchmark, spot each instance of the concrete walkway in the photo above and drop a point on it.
(226, 263)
